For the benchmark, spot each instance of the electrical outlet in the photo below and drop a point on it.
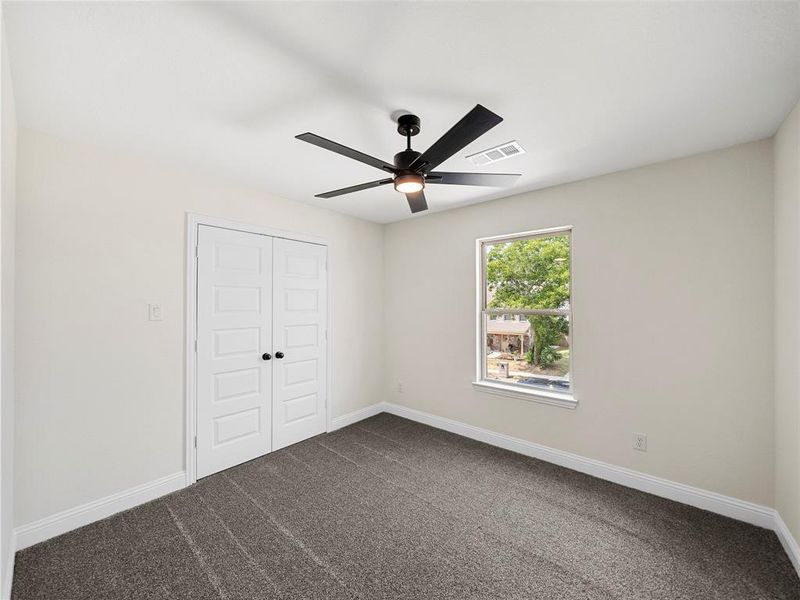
(640, 442)
(399, 387)
(155, 312)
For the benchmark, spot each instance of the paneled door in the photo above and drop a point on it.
(234, 347)
(300, 338)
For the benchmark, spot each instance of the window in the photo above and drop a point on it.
(525, 316)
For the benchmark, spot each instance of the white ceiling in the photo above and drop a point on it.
(586, 88)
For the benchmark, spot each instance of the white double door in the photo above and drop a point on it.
(261, 345)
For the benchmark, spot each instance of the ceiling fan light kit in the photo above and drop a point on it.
(411, 169)
(408, 183)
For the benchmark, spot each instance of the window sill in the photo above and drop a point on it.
(531, 395)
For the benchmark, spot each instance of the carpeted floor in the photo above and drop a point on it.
(388, 508)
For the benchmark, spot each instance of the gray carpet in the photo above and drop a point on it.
(388, 508)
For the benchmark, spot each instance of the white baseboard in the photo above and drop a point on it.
(711, 501)
(8, 571)
(787, 540)
(356, 416)
(44, 529)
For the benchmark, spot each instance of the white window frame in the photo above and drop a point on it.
(530, 393)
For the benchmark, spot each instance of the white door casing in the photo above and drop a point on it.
(234, 329)
(300, 333)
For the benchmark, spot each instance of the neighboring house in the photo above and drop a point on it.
(511, 336)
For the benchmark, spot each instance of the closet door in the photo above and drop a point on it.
(299, 339)
(234, 330)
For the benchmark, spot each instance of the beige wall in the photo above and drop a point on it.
(673, 300)
(787, 322)
(100, 388)
(8, 133)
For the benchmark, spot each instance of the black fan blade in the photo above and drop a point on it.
(313, 138)
(486, 179)
(472, 126)
(355, 188)
(416, 202)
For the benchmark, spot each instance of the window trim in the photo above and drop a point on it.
(529, 393)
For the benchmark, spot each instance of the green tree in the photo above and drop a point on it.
(533, 274)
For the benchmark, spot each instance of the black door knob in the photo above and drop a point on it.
(279, 355)
(266, 356)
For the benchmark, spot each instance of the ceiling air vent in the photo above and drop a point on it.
(492, 155)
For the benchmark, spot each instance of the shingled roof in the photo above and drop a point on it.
(499, 326)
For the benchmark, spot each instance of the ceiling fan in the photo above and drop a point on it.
(412, 170)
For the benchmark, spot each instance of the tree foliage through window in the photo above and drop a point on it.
(533, 274)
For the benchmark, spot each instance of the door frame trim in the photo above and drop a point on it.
(193, 221)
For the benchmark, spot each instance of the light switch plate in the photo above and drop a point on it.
(155, 312)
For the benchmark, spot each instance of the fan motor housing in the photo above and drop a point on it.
(403, 160)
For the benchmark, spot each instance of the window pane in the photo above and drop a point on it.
(528, 350)
(528, 273)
